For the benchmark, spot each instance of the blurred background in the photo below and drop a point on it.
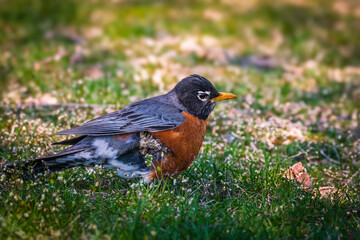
(116, 51)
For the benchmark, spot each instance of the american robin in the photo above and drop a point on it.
(155, 137)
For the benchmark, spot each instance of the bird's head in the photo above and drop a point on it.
(199, 96)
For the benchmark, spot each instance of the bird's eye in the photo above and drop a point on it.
(202, 96)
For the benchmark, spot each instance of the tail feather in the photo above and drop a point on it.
(75, 156)
(120, 152)
(29, 168)
(54, 163)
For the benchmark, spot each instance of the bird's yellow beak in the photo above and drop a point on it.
(223, 96)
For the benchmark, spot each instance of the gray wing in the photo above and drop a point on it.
(142, 116)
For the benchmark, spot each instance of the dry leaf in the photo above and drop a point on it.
(288, 136)
(297, 171)
(289, 174)
(304, 179)
(297, 168)
(326, 192)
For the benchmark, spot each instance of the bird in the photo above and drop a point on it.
(150, 139)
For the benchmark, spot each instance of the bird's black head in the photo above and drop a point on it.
(198, 95)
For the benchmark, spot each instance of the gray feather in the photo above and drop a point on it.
(147, 115)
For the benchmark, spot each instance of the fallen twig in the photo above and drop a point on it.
(329, 158)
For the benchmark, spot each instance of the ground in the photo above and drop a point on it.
(294, 65)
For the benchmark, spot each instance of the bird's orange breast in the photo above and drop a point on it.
(184, 141)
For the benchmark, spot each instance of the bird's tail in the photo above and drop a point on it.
(29, 168)
(120, 152)
(75, 156)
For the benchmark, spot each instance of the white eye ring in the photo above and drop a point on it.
(203, 96)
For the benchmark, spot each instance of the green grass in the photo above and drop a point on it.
(103, 55)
